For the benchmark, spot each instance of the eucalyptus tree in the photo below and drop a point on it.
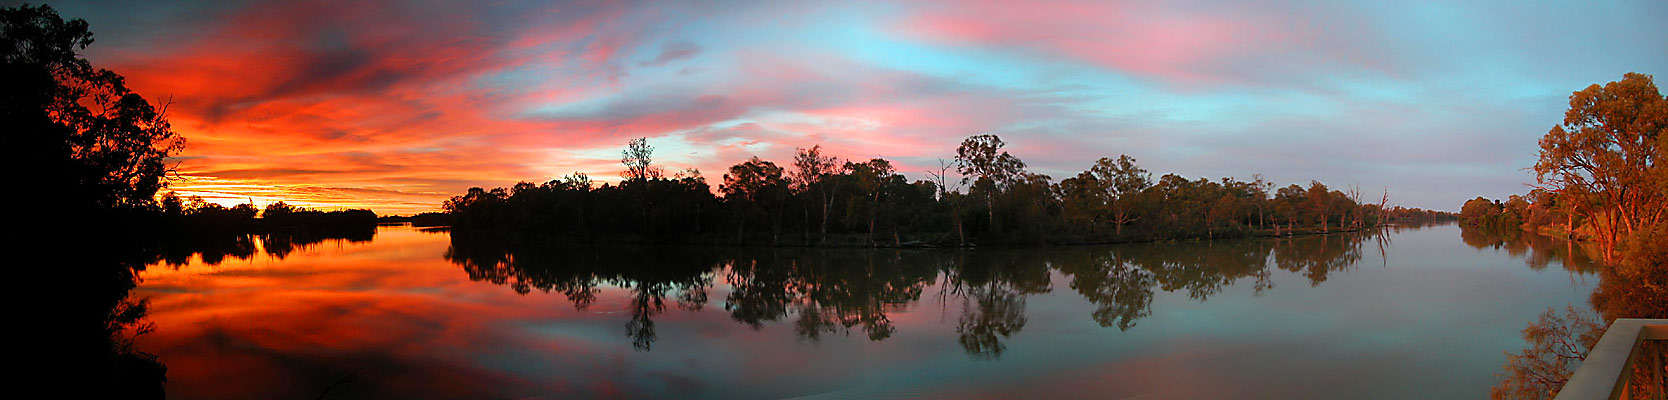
(980, 157)
(1605, 161)
(755, 187)
(811, 172)
(1122, 180)
(871, 178)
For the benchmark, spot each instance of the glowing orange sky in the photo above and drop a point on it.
(395, 107)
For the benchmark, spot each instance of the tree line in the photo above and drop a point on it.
(426, 219)
(984, 195)
(194, 216)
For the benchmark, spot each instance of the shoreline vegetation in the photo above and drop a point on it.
(195, 217)
(823, 201)
(101, 152)
(1601, 184)
(420, 220)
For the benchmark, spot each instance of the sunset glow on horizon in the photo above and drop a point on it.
(397, 107)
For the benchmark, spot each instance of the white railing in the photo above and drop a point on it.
(1606, 371)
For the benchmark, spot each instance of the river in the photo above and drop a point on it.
(1415, 312)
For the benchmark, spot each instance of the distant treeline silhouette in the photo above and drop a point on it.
(193, 216)
(420, 219)
(822, 200)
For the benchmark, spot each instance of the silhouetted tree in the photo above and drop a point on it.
(87, 138)
(872, 177)
(811, 172)
(981, 157)
(638, 158)
(756, 189)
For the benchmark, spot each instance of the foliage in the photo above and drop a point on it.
(1600, 178)
(80, 135)
(1605, 160)
(871, 203)
(1486, 214)
(1637, 286)
(637, 158)
(812, 172)
(93, 142)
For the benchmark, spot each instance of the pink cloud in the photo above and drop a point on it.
(1185, 46)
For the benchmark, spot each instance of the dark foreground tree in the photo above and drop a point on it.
(96, 152)
(88, 139)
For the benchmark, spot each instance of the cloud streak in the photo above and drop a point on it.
(396, 105)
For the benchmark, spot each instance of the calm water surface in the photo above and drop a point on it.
(1414, 313)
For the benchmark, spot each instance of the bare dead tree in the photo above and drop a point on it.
(941, 177)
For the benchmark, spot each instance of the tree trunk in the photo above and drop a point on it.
(1569, 224)
(872, 211)
(827, 202)
(961, 236)
(776, 230)
(990, 207)
(1324, 225)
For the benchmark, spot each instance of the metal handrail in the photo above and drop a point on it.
(1604, 374)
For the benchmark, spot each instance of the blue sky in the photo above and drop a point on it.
(397, 105)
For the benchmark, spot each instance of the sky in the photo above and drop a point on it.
(399, 105)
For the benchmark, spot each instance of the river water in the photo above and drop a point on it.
(1408, 313)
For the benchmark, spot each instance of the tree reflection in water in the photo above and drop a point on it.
(1315, 257)
(993, 287)
(1121, 291)
(215, 249)
(819, 292)
(576, 272)
(1537, 251)
(1559, 339)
